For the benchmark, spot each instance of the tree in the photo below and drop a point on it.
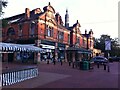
(115, 47)
(100, 44)
(3, 4)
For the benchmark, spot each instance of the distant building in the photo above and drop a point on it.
(81, 45)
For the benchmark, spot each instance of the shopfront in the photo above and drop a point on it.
(54, 50)
(49, 47)
(61, 51)
(78, 54)
(17, 52)
(50, 51)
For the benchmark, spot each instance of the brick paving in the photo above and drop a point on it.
(57, 76)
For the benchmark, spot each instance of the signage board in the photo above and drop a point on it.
(107, 45)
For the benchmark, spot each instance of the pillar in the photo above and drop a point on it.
(66, 57)
(15, 56)
(37, 54)
(56, 51)
(73, 56)
(6, 57)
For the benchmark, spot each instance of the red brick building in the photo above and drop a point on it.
(81, 45)
(46, 29)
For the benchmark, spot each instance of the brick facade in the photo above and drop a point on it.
(45, 28)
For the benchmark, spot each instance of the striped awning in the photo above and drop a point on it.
(19, 47)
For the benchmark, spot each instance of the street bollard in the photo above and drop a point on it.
(104, 66)
(47, 61)
(69, 63)
(97, 65)
(73, 65)
(54, 62)
(61, 63)
(108, 68)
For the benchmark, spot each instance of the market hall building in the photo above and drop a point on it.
(45, 29)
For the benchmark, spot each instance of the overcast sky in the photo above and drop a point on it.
(99, 15)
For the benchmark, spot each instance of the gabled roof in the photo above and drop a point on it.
(21, 17)
(77, 24)
(15, 17)
(43, 17)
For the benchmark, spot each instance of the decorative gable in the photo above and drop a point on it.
(47, 18)
(49, 8)
(76, 27)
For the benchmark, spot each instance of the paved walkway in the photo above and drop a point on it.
(57, 76)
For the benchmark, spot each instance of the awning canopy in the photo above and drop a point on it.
(19, 47)
(79, 50)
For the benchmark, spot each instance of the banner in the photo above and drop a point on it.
(107, 45)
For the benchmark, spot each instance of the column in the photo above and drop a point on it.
(56, 51)
(66, 53)
(15, 56)
(37, 54)
(73, 56)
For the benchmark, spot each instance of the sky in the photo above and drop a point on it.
(99, 15)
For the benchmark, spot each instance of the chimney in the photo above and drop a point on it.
(85, 31)
(77, 21)
(61, 22)
(27, 13)
(37, 11)
(90, 32)
(56, 16)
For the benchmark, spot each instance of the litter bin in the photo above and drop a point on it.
(86, 65)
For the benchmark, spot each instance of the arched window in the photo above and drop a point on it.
(11, 31)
